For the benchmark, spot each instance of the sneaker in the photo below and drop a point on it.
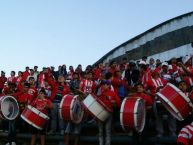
(51, 132)
(7, 143)
(62, 132)
(13, 143)
(173, 134)
(159, 135)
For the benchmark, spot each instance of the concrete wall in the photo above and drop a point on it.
(163, 41)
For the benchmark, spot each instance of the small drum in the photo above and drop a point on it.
(132, 114)
(34, 117)
(71, 109)
(97, 108)
(175, 101)
(9, 108)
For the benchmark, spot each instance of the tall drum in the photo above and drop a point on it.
(175, 101)
(71, 109)
(9, 108)
(132, 114)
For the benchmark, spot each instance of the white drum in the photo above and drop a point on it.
(96, 108)
(9, 108)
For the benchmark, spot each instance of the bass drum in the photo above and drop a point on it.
(71, 109)
(9, 108)
(133, 114)
(175, 101)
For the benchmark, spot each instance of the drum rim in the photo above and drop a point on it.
(70, 109)
(181, 94)
(36, 111)
(30, 122)
(101, 103)
(95, 116)
(60, 107)
(121, 114)
(71, 113)
(135, 115)
(176, 113)
(137, 100)
(10, 118)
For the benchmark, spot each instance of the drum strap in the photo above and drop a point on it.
(190, 80)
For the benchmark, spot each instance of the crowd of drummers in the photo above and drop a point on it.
(111, 83)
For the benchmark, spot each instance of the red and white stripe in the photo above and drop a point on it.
(186, 135)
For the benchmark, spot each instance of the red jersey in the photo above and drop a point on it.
(12, 79)
(87, 86)
(42, 105)
(25, 75)
(186, 135)
(23, 97)
(57, 90)
(110, 98)
(33, 92)
(148, 100)
(2, 82)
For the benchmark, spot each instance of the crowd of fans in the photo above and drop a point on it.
(127, 78)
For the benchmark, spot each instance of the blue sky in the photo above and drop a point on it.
(55, 32)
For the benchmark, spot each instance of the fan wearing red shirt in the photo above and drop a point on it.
(23, 97)
(43, 105)
(111, 100)
(58, 90)
(140, 93)
(26, 73)
(12, 78)
(32, 90)
(3, 79)
(88, 85)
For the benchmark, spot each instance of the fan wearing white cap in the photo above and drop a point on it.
(165, 74)
(145, 74)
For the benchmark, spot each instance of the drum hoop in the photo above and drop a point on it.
(121, 113)
(10, 118)
(71, 113)
(39, 113)
(60, 107)
(181, 94)
(101, 103)
(135, 116)
(31, 123)
(178, 116)
(94, 115)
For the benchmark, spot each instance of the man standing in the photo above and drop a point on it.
(3, 79)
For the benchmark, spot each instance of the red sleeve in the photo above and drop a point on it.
(118, 100)
(66, 90)
(53, 85)
(182, 141)
(17, 94)
(50, 104)
(81, 85)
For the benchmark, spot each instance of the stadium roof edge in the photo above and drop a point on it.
(138, 36)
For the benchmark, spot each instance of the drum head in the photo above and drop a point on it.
(9, 108)
(140, 115)
(76, 111)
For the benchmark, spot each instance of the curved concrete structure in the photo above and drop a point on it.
(166, 40)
